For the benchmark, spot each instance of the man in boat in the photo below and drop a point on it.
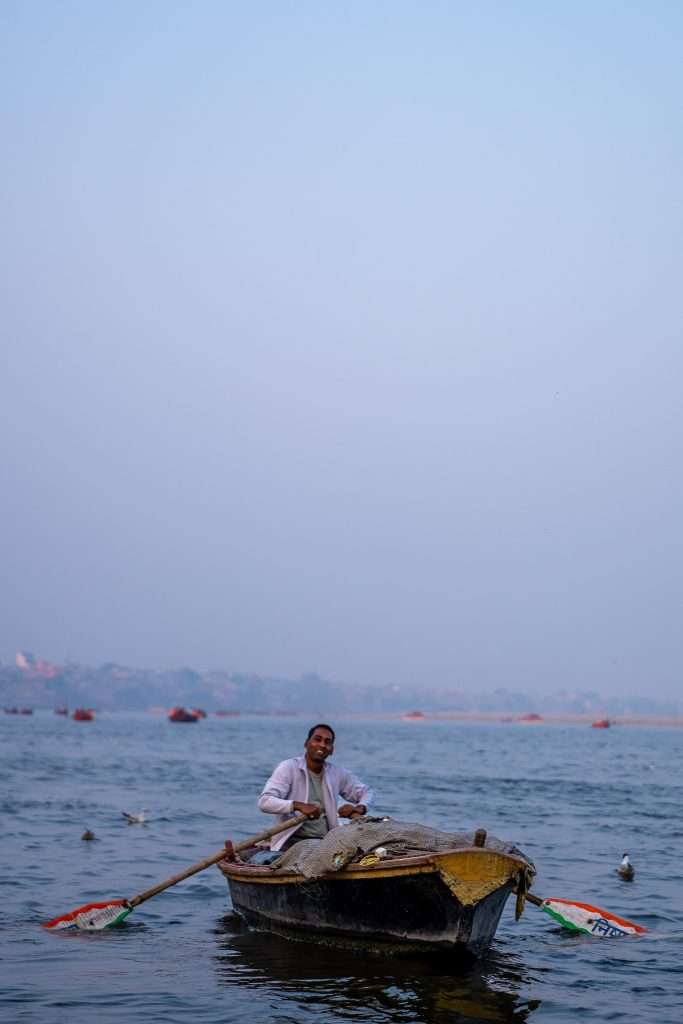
(312, 785)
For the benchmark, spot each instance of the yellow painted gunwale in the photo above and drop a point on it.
(469, 864)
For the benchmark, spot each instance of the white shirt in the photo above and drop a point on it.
(289, 783)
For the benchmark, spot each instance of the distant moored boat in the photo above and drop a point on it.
(601, 723)
(413, 716)
(182, 715)
(83, 715)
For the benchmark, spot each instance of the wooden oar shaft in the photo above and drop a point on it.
(531, 897)
(135, 901)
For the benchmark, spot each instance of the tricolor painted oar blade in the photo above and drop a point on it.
(581, 917)
(92, 917)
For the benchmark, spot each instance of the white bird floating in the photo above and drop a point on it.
(136, 819)
(625, 869)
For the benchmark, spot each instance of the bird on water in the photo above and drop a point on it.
(136, 819)
(625, 869)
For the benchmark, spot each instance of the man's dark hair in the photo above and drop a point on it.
(321, 725)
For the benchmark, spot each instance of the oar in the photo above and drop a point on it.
(93, 917)
(582, 917)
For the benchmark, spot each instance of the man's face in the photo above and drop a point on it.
(319, 746)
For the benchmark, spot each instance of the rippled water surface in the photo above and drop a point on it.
(572, 798)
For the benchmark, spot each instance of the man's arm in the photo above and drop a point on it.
(275, 798)
(355, 791)
(276, 795)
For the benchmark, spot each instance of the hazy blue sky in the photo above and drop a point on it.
(345, 338)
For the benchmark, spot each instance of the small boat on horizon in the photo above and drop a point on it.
(83, 715)
(601, 723)
(182, 715)
(62, 711)
(531, 719)
(413, 716)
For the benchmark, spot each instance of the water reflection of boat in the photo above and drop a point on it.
(442, 901)
(388, 989)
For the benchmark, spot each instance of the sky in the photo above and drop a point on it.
(344, 339)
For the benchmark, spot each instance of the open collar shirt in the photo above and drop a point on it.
(289, 783)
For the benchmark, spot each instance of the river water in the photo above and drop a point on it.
(573, 798)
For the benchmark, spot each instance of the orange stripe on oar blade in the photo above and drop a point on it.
(93, 917)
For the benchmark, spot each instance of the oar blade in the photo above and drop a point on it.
(92, 917)
(582, 917)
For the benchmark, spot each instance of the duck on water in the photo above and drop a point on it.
(626, 869)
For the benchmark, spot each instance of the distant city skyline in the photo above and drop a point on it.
(136, 686)
(33, 682)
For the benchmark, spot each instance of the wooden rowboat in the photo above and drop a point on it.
(448, 901)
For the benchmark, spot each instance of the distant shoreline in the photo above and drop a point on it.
(507, 718)
(557, 719)
(415, 718)
(502, 717)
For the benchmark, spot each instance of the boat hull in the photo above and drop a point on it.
(448, 902)
(183, 716)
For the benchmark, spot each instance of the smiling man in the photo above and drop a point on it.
(313, 786)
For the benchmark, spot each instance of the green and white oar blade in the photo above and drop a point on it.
(582, 917)
(92, 917)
